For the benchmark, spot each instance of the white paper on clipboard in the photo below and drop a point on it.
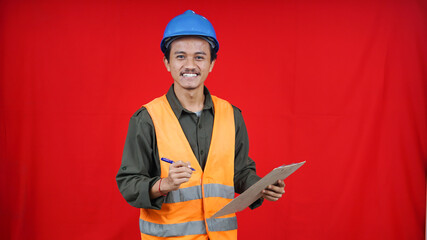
(254, 192)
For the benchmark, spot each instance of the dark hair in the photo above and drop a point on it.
(168, 53)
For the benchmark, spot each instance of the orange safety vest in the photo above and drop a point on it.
(186, 213)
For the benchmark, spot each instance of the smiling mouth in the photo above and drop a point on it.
(189, 74)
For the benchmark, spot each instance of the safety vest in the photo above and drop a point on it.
(186, 213)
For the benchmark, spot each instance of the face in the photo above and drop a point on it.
(189, 62)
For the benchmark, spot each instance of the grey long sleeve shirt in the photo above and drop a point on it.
(140, 167)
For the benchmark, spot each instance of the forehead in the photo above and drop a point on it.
(190, 44)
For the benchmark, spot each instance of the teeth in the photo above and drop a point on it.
(189, 75)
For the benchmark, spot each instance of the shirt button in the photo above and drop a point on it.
(200, 126)
(201, 152)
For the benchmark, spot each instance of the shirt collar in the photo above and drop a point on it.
(177, 107)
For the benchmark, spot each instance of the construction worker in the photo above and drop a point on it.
(186, 152)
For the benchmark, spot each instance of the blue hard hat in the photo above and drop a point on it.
(189, 24)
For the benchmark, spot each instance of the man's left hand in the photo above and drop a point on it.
(274, 192)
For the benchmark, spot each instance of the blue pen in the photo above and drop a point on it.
(170, 161)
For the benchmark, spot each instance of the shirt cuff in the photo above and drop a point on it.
(156, 203)
(257, 203)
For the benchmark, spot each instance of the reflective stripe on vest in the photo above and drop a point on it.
(219, 190)
(195, 192)
(186, 213)
(187, 228)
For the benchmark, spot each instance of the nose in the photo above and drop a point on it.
(190, 64)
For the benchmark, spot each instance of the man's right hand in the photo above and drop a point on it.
(179, 173)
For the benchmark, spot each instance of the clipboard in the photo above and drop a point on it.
(254, 192)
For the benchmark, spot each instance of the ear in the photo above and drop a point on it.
(212, 65)
(167, 65)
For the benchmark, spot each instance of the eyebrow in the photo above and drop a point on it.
(196, 53)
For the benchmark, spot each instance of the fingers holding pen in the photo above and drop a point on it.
(179, 173)
(180, 169)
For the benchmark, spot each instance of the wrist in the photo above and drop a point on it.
(163, 193)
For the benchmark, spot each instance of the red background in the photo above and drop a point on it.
(340, 85)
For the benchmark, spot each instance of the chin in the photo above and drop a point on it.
(189, 86)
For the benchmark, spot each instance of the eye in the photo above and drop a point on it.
(199, 58)
(180, 57)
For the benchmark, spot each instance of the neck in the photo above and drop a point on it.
(192, 100)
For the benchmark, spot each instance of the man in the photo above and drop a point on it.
(204, 136)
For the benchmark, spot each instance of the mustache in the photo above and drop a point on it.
(189, 72)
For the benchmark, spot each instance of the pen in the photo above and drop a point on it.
(170, 161)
